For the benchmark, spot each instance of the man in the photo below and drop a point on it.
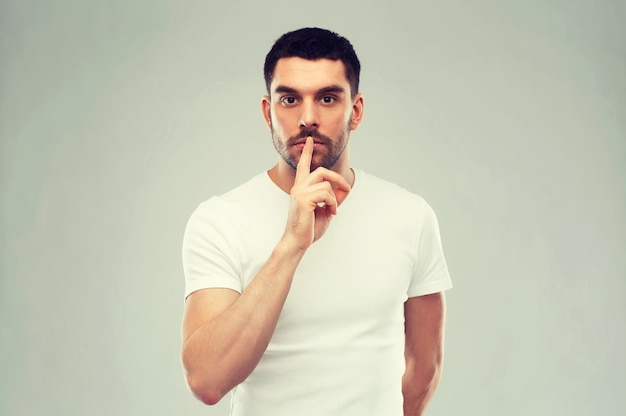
(314, 288)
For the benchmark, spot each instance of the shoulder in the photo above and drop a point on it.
(257, 186)
(240, 196)
(242, 207)
(225, 205)
(390, 194)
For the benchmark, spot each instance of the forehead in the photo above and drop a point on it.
(299, 73)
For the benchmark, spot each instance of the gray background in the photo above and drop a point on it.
(117, 118)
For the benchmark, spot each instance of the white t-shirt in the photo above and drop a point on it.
(338, 348)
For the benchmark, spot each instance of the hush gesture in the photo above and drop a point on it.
(315, 197)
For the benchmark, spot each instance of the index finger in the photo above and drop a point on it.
(304, 164)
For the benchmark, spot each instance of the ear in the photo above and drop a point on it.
(357, 111)
(266, 108)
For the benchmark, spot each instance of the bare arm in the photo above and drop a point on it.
(226, 333)
(424, 329)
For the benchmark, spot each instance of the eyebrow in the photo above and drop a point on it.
(332, 89)
(283, 89)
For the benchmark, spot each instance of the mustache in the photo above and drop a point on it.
(306, 132)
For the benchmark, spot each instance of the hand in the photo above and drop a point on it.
(315, 197)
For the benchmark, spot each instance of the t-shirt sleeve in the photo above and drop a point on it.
(431, 272)
(208, 257)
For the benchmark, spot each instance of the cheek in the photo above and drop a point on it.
(344, 122)
(281, 119)
(334, 118)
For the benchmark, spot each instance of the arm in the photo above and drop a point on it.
(226, 333)
(424, 330)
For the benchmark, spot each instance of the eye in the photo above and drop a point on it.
(328, 99)
(288, 101)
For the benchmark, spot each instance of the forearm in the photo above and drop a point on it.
(424, 332)
(419, 384)
(222, 352)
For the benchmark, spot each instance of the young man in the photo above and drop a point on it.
(314, 288)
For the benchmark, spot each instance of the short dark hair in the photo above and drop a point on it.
(313, 43)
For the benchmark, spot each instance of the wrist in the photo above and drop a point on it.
(287, 249)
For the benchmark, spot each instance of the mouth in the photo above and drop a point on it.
(316, 140)
(317, 145)
(302, 142)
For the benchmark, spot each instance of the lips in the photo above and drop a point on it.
(303, 141)
(318, 138)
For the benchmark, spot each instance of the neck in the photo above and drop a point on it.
(284, 175)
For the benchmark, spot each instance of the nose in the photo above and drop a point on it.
(309, 116)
